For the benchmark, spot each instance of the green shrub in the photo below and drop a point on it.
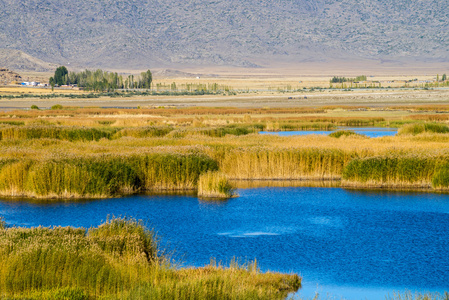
(339, 133)
(57, 106)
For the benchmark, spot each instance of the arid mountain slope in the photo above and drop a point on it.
(137, 34)
(19, 61)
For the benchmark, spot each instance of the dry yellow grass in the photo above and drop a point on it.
(370, 98)
(18, 90)
(240, 82)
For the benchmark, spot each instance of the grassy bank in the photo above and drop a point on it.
(103, 168)
(118, 260)
(94, 152)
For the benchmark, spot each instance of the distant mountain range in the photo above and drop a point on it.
(138, 34)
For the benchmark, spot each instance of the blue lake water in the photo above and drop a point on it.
(372, 132)
(346, 244)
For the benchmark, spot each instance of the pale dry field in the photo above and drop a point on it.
(271, 83)
(263, 92)
(372, 98)
(18, 90)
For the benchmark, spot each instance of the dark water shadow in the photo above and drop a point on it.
(43, 201)
(249, 184)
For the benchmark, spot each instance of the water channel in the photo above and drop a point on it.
(346, 244)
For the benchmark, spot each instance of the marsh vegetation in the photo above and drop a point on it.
(119, 259)
(51, 153)
(69, 152)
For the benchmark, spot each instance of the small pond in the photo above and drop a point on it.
(372, 132)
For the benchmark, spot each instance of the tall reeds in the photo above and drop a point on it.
(262, 163)
(440, 179)
(55, 132)
(101, 176)
(222, 131)
(118, 260)
(418, 128)
(143, 132)
(393, 171)
(106, 152)
(172, 171)
(214, 185)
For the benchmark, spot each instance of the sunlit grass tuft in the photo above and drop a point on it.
(339, 133)
(214, 185)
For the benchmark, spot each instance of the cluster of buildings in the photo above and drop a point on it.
(33, 83)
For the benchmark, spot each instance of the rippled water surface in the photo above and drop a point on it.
(351, 244)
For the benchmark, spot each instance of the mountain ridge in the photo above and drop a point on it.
(136, 34)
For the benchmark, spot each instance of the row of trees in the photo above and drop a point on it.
(337, 79)
(100, 80)
(443, 78)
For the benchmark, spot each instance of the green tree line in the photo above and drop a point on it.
(337, 79)
(100, 80)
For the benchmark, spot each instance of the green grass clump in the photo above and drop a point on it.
(14, 123)
(418, 128)
(143, 132)
(214, 185)
(106, 122)
(45, 259)
(85, 177)
(391, 171)
(57, 106)
(232, 130)
(339, 133)
(98, 177)
(172, 171)
(55, 132)
(440, 179)
(91, 177)
(119, 260)
(297, 125)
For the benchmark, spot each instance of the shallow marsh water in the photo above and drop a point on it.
(345, 243)
(372, 132)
